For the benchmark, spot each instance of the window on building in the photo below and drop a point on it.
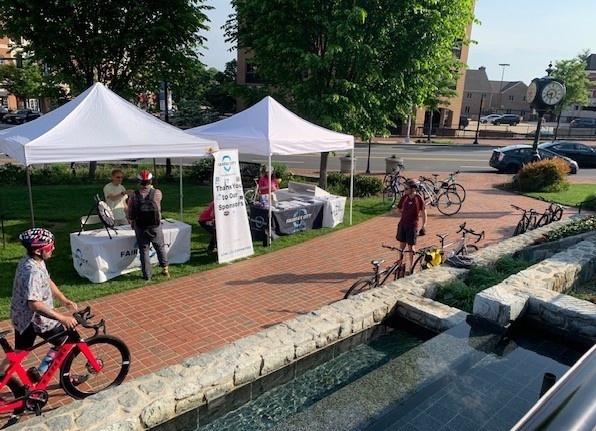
(251, 76)
(467, 109)
(468, 95)
(511, 97)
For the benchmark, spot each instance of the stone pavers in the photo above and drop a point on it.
(166, 323)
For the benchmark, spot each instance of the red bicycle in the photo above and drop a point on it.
(98, 362)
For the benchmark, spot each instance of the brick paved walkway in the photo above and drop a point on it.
(167, 322)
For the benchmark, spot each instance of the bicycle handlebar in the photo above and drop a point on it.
(392, 248)
(462, 228)
(83, 317)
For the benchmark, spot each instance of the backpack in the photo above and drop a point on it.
(147, 212)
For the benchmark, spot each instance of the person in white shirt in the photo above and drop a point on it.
(116, 195)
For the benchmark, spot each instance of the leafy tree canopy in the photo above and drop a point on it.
(352, 65)
(108, 41)
(573, 73)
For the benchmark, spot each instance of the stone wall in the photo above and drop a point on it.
(203, 381)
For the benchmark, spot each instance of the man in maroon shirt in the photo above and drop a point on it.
(409, 207)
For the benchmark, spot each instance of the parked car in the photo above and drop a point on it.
(584, 155)
(511, 119)
(583, 122)
(510, 159)
(463, 122)
(489, 118)
(20, 116)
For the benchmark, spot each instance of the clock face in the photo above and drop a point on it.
(552, 93)
(531, 92)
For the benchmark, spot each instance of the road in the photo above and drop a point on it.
(419, 158)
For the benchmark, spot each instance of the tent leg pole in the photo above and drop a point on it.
(28, 174)
(351, 184)
(181, 194)
(270, 206)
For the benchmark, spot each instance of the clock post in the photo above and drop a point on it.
(543, 95)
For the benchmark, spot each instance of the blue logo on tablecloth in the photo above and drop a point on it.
(78, 257)
(259, 222)
(298, 218)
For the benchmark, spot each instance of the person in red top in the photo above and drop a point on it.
(410, 206)
(207, 222)
(264, 182)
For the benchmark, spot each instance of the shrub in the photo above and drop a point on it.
(339, 184)
(202, 170)
(547, 175)
(575, 228)
(12, 174)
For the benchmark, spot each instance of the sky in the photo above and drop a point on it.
(526, 34)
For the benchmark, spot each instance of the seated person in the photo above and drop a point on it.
(264, 184)
(207, 221)
(116, 196)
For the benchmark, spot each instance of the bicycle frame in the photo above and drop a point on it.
(16, 358)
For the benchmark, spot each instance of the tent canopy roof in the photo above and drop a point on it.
(98, 125)
(268, 128)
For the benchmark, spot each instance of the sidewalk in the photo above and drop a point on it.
(168, 322)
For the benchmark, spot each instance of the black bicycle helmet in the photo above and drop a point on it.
(413, 184)
(36, 238)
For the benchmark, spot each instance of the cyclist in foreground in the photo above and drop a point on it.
(32, 306)
(410, 207)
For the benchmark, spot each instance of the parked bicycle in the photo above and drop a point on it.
(449, 183)
(447, 201)
(397, 269)
(394, 184)
(86, 366)
(554, 212)
(434, 256)
(251, 195)
(528, 221)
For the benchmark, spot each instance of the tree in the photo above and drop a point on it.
(108, 41)
(350, 65)
(573, 73)
(22, 82)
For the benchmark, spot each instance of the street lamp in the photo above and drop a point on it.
(479, 114)
(503, 65)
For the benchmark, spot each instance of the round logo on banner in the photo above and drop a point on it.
(226, 162)
(299, 218)
(259, 222)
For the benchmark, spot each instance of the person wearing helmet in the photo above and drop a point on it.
(32, 305)
(410, 207)
(144, 213)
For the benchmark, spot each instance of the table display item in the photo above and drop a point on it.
(105, 214)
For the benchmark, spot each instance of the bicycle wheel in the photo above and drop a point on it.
(449, 203)
(390, 197)
(557, 214)
(360, 286)
(250, 197)
(459, 189)
(543, 220)
(8, 394)
(469, 248)
(418, 265)
(520, 228)
(387, 180)
(114, 358)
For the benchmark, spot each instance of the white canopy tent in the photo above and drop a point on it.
(268, 128)
(98, 125)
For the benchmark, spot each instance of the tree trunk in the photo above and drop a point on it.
(323, 170)
(92, 169)
(430, 124)
(168, 167)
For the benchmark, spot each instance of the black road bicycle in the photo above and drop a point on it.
(528, 221)
(554, 212)
(397, 269)
(393, 187)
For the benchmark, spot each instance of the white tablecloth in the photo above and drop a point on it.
(98, 258)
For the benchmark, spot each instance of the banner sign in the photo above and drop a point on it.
(231, 218)
(288, 221)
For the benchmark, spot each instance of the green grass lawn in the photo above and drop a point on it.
(59, 209)
(577, 193)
